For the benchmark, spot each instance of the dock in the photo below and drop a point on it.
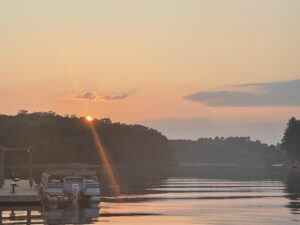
(15, 190)
(23, 193)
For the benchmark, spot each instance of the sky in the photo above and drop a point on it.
(189, 68)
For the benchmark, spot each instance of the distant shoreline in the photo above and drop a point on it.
(96, 166)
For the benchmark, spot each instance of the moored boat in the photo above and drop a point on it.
(70, 185)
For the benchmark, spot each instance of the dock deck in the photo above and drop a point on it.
(23, 193)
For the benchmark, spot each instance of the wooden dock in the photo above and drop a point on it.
(24, 194)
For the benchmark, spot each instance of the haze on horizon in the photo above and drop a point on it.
(188, 68)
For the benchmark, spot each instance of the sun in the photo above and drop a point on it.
(89, 118)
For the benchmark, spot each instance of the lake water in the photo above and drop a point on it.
(186, 195)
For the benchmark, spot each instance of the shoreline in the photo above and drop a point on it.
(94, 166)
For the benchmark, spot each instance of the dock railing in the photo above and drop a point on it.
(3, 151)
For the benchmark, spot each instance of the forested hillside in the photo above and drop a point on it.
(232, 150)
(68, 139)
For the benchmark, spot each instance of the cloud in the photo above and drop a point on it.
(98, 97)
(286, 93)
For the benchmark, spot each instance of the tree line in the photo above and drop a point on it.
(230, 150)
(69, 139)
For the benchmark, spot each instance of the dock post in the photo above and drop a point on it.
(28, 222)
(30, 167)
(2, 153)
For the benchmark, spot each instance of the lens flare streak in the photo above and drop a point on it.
(106, 162)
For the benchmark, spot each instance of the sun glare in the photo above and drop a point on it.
(89, 118)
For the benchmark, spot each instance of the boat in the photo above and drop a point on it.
(70, 185)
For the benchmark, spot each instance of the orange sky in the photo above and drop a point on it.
(138, 59)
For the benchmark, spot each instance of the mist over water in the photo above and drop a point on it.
(184, 195)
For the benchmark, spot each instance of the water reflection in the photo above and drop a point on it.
(135, 180)
(17, 215)
(293, 190)
(72, 214)
(182, 195)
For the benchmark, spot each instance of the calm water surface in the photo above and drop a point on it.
(190, 195)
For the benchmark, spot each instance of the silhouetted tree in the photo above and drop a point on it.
(291, 139)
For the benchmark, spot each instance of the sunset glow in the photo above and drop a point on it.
(148, 62)
(89, 118)
(182, 112)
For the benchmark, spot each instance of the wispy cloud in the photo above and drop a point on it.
(92, 96)
(286, 93)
